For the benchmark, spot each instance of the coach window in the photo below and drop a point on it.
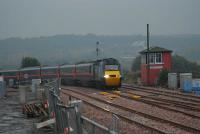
(90, 69)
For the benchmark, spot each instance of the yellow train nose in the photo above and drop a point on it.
(112, 78)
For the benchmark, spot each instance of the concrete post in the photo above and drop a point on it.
(22, 94)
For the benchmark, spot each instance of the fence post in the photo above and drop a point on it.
(57, 87)
(93, 129)
(78, 117)
(115, 124)
(77, 105)
(66, 128)
(22, 94)
(53, 112)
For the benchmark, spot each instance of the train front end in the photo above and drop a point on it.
(112, 73)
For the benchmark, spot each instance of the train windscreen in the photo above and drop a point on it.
(111, 64)
(111, 67)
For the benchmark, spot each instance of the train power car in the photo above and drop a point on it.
(107, 72)
(102, 73)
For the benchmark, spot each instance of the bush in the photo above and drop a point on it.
(163, 78)
(29, 62)
(131, 77)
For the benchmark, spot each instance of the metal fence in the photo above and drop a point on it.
(2, 89)
(30, 92)
(68, 117)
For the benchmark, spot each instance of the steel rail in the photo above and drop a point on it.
(158, 104)
(182, 126)
(165, 94)
(191, 96)
(121, 116)
(176, 103)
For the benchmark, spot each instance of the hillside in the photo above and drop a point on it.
(61, 49)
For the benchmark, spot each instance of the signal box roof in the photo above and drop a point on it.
(155, 49)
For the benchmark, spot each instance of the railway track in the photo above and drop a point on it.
(169, 101)
(176, 106)
(160, 97)
(161, 104)
(147, 116)
(173, 93)
(108, 110)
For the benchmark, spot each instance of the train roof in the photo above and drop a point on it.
(109, 61)
(66, 66)
(29, 68)
(52, 67)
(85, 64)
(95, 61)
(3, 71)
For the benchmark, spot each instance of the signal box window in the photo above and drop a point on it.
(151, 58)
(158, 58)
(155, 58)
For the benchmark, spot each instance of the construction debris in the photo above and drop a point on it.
(34, 110)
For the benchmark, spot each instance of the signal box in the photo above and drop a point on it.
(159, 59)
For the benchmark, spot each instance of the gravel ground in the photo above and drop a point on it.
(156, 95)
(12, 120)
(167, 105)
(151, 110)
(147, 109)
(168, 98)
(105, 118)
(158, 112)
(178, 92)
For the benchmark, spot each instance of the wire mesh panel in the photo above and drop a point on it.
(92, 127)
(68, 117)
(2, 89)
(115, 124)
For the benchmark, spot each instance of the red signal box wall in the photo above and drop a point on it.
(159, 59)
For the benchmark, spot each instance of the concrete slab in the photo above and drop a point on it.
(12, 121)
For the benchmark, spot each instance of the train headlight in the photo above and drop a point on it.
(106, 76)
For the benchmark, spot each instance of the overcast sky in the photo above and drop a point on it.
(34, 18)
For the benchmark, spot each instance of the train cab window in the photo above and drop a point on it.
(111, 62)
(111, 67)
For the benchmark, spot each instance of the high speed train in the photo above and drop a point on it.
(104, 72)
(99, 73)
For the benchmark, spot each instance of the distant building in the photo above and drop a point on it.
(159, 59)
